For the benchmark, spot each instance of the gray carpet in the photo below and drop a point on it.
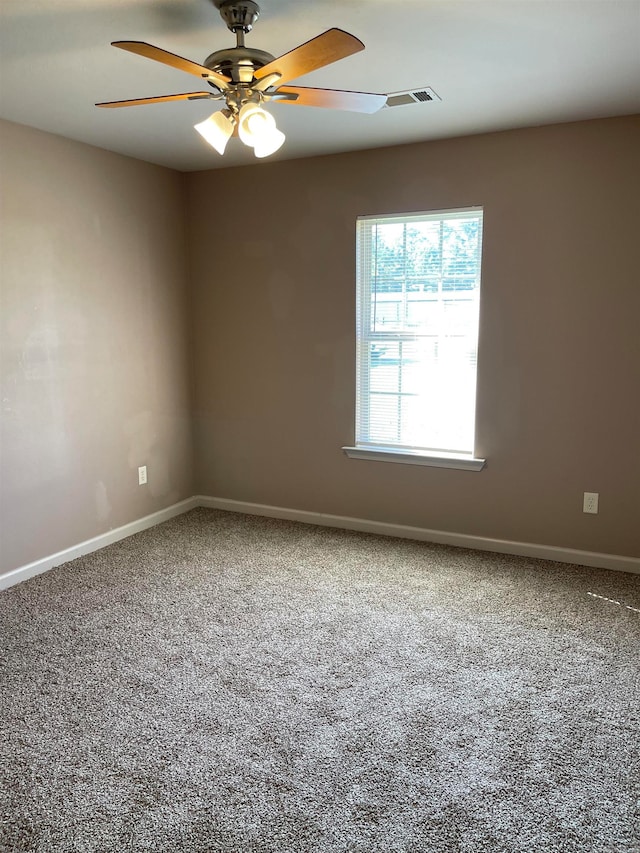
(230, 683)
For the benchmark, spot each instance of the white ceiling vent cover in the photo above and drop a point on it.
(412, 96)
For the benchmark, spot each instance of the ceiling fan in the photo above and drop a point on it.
(245, 78)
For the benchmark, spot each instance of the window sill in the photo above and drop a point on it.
(408, 457)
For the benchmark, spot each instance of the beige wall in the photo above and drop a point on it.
(98, 329)
(559, 359)
(95, 360)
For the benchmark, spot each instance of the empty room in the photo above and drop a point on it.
(320, 459)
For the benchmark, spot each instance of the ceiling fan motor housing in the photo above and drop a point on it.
(238, 63)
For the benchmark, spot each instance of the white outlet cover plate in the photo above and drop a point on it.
(590, 502)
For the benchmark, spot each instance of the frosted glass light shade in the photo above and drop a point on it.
(269, 143)
(252, 120)
(217, 130)
(257, 129)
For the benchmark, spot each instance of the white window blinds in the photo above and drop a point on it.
(417, 330)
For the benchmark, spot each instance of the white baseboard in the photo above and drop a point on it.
(39, 566)
(402, 531)
(441, 537)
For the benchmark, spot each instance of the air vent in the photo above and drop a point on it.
(412, 96)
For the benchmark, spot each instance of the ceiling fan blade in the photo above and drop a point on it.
(320, 51)
(179, 62)
(333, 99)
(186, 96)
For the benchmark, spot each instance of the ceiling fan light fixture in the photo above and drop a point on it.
(216, 130)
(257, 129)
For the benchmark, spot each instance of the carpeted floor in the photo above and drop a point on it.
(231, 683)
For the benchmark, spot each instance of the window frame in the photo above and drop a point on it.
(396, 452)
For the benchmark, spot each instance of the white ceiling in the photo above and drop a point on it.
(496, 64)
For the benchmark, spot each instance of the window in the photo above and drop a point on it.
(417, 333)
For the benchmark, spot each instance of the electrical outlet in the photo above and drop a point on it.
(590, 502)
(142, 475)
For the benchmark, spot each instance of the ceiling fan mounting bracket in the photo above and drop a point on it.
(238, 15)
